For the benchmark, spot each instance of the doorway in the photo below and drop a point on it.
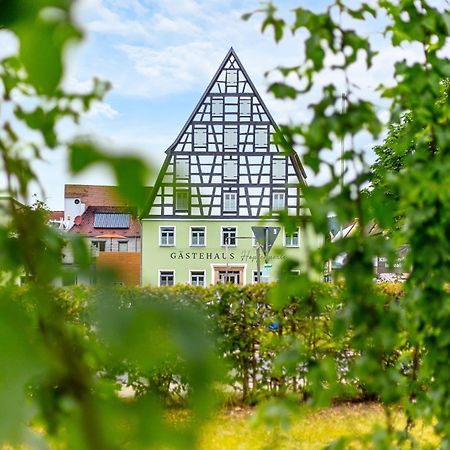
(230, 274)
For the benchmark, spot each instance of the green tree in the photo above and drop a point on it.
(420, 190)
(58, 375)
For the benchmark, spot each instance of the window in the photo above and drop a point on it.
(98, 246)
(182, 200)
(232, 77)
(217, 107)
(167, 236)
(229, 201)
(229, 170)
(166, 278)
(261, 137)
(291, 240)
(182, 169)
(279, 169)
(198, 236)
(230, 138)
(245, 107)
(198, 278)
(199, 136)
(278, 201)
(123, 246)
(229, 236)
(255, 276)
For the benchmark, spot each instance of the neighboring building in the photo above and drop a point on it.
(111, 228)
(382, 270)
(56, 220)
(221, 176)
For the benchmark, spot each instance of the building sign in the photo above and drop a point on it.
(242, 256)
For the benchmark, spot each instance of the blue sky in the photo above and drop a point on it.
(160, 55)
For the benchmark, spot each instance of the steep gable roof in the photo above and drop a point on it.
(224, 96)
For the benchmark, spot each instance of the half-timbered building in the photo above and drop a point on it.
(220, 177)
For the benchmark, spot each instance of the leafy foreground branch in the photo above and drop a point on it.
(407, 193)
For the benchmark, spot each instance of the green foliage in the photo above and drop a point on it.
(409, 197)
(267, 351)
(62, 352)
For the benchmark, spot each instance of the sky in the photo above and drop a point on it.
(160, 55)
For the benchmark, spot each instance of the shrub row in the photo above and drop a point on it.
(267, 350)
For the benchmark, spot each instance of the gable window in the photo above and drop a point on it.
(229, 201)
(198, 236)
(230, 138)
(166, 278)
(230, 170)
(217, 107)
(167, 236)
(229, 236)
(182, 169)
(245, 107)
(123, 246)
(279, 169)
(182, 200)
(199, 136)
(278, 201)
(292, 239)
(261, 137)
(197, 278)
(232, 77)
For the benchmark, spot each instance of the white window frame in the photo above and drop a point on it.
(254, 272)
(122, 242)
(222, 241)
(174, 236)
(224, 208)
(277, 207)
(197, 271)
(191, 244)
(290, 234)
(166, 270)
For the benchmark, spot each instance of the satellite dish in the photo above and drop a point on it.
(78, 220)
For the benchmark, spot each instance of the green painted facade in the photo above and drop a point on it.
(182, 257)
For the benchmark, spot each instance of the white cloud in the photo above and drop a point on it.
(102, 109)
(169, 70)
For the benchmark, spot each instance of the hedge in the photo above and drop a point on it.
(260, 345)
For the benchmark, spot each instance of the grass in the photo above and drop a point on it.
(233, 430)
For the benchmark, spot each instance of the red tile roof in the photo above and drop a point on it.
(86, 228)
(94, 195)
(56, 215)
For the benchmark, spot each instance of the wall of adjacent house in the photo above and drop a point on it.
(113, 245)
(125, 266)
